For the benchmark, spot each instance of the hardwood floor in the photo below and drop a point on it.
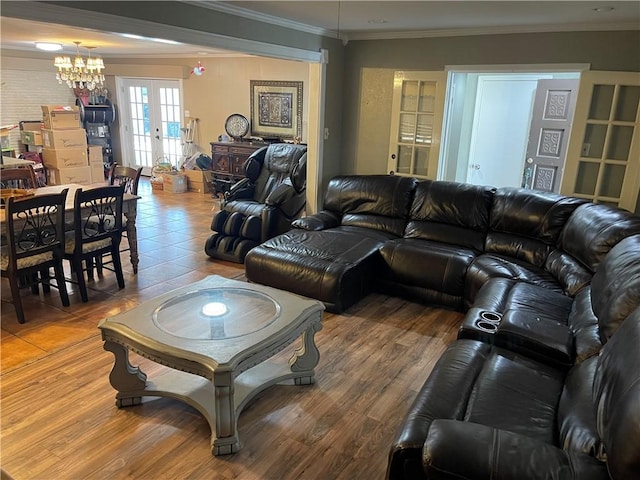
(59, 419)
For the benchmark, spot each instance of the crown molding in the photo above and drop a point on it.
(462, 32)
(114, 23)
(349, 35)
(261, 17)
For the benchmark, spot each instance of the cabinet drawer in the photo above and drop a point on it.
(242, 150)
(220, 163)
(219, 148)
(236, 165)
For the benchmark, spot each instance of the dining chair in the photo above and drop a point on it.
(33, 244)
(97, 232)
(127, 176)
(130, 178)
(18, 177)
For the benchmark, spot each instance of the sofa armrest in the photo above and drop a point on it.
(318, 221)
(456, 449)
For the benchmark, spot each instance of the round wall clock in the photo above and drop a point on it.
(237, 126)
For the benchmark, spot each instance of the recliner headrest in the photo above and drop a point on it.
(283, 157)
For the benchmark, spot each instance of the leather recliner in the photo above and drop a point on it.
(486, 412)
(261, 205)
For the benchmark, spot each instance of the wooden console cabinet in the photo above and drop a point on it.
(227, 161)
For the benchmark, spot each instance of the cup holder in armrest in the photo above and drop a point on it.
(493, 317)
(488, 321)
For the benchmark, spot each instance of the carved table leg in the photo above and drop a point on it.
(305, 358)
(224, 437)
(124, 377)
(130, 215)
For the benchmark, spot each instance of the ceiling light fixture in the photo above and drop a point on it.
(603, 9)
(81, 74)
(48, 46)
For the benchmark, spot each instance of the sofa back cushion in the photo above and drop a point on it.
(616, 398)
(593, 229)
(615, 287)
(380, 202)
(450, 212)
(525, 224)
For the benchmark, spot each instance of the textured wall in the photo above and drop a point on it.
(369, 67)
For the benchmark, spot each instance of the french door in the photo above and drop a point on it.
(418, 105)
(603, 159)
(151, 122)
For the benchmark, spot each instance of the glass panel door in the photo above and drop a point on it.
(604, 149)
(151, 129)
(418, 103)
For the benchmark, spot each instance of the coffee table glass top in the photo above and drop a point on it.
(213, 313)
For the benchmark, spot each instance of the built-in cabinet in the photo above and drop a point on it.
(227, 161)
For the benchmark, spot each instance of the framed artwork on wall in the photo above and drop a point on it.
(276, 109)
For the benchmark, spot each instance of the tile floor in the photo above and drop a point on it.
(172, 230)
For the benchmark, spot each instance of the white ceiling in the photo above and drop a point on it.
(351, 20)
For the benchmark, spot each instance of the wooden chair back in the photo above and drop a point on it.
(19, 177)
(35, 242)
(127, 176)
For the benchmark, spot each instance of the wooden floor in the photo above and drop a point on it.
(59, 419)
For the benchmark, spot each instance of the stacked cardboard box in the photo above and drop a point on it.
(96, 163)
(31, 133)
(174, 183)
(65, 146)
(196, 182)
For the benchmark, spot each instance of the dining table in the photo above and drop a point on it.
(129, 210)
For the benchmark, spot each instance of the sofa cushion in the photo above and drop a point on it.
(475, 382)
(335, 266)
(615, 288)
(450, 212)
(576, 415)
(487, 266)
(437, 268)
(584, 325)
(593, 229)
(377, 202)
(524, 224)
(616, 396)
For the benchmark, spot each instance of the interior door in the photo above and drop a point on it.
(151, 125)
(500, 128)
(603, 158)
(553, 109)
(416, 123)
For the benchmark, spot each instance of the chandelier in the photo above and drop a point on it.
(80, 74)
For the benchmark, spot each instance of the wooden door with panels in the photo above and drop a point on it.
(549, 133)
(603, 158)
(416, 123)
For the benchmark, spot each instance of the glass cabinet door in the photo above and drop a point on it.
(605, 165)
(418, 103)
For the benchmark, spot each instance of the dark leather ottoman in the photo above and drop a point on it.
(336, 267)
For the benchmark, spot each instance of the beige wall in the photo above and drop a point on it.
(369, 68)
(223, 89)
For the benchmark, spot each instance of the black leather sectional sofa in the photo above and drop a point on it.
(544, 379)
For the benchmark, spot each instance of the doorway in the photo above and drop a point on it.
(151, 122)
(487, 126)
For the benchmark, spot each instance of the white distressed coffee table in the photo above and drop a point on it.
(218, 337)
